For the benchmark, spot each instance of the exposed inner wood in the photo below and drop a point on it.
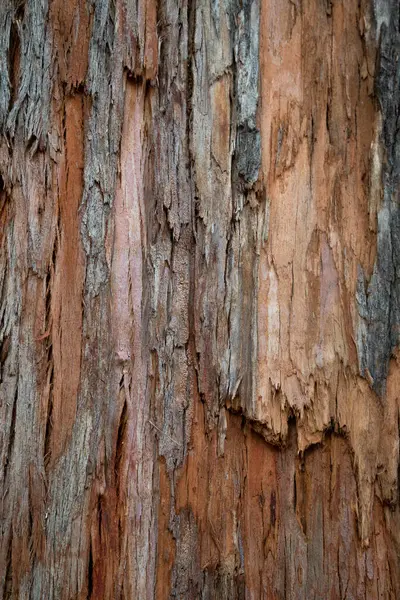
(199, 299)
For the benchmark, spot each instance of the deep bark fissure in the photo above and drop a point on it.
(14, 52)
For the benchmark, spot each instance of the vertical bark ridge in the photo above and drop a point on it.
(198, 299)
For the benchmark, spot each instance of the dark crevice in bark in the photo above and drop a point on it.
(30, 524)
(49, 419)
(8, 579)
(4, 349)
(301, 503)
(14, 52)
(50, 368)
(4, 217)
(11, 435)
(398, 462)
(272, 508)
(191, 16)
(48, 292)
(90, 572)
(121, 438)
(100, 515)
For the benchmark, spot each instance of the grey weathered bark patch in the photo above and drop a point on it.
(379, 303)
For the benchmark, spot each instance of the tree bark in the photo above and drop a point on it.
(199, 299)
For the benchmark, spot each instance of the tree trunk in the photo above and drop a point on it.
(199, 299)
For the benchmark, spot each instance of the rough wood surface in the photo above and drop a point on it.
(199, 299)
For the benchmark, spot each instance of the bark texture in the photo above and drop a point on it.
(199, 299)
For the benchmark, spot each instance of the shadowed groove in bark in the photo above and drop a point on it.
(90, 573)
(11, 438)
(121, 441)
(14, 53)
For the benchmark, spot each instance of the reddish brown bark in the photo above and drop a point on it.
(199, 314)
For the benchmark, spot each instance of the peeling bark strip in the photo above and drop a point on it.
(199, 320)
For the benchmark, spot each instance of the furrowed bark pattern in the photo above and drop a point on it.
(199, 299)
(379, 307)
